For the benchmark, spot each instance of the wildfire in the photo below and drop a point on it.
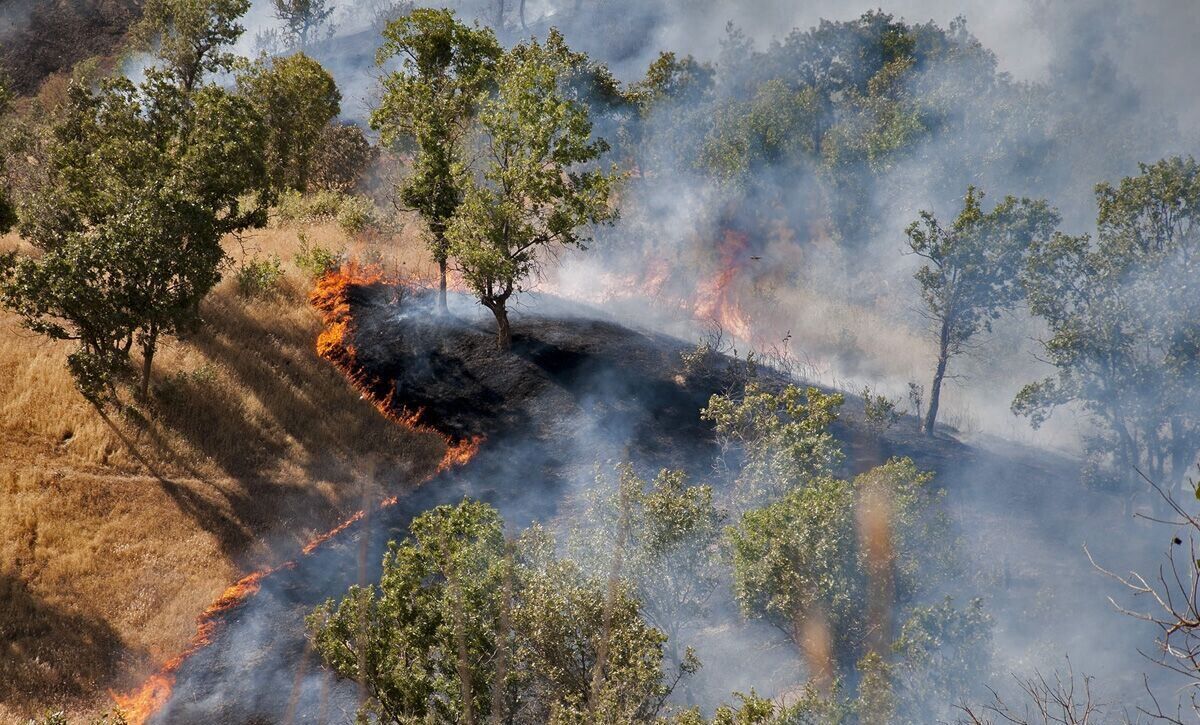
(717, 299)
(331, 298)
(143, 702)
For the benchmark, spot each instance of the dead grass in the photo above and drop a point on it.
(252, 444)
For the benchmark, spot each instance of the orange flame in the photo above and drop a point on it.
(331, 298)
(717, 299)
(139, 705)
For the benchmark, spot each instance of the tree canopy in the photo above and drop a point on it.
(1123, 320)
(144, 182)
(190, 37)
(297, 99)
(538, 188)
(428, 102)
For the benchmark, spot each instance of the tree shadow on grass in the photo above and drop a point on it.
(48, 655)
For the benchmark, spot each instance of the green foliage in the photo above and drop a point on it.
(806, 555)
(188, 36)
(464, 621)
(143, 183)
(259, 277)
(879, 411)
(781, 440)
(297, 100)
(401, 640)
(667, 536)
(355, 214)
(1123, 317)
(315, 260)
(970, 275)
(777, 123)
(295, 207)
(428, 103)
(943, 654)
(341, 156)
(535, 191)
(669, 78)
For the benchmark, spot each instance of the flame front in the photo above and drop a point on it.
(140, 704)
(331, 298)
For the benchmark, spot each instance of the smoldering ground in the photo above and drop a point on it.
(1097, 87)
(577, 392)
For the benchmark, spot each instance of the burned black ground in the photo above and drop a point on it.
(574, 393)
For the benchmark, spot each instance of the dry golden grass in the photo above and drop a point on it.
(251, 445)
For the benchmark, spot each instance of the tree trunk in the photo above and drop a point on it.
(935, 390)
(148, 349)
(503, 332)
(464, 665)
(442, 285)
(502, 629)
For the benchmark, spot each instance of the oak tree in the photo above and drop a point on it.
(428, 102)
(297, 99)
(143, 183)
(190, 38)
(1124, 321)
(970, 273)
(539, 186)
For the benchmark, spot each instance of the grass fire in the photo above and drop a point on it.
(676, 363)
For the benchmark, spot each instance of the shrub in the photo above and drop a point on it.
(260, 277)
(352, 212)
(314, 260)
(355, 214)
(879, 410)
(318, 206)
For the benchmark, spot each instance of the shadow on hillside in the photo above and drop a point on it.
(278, 402)
(44, 649)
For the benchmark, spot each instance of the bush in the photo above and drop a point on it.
(879, 410)
(314, 260)
(318, 206)
(260, 277)
(355, 214)
(352, 212)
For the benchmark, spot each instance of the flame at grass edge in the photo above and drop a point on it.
(331, 298)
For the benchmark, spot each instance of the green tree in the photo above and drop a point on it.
(189, 37)
(583, 653)
(815, 558)
(302, 19)
(144, 182)
(428, 102)
(536, 190)
(422, 641)
(466, 625)
(666, 537)
(776, 441)
(970, 275)
(1124, 321)
(297, 100)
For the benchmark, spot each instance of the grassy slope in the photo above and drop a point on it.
(255, 444)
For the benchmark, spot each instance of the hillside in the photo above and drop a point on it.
(115, 535)
(39, 38)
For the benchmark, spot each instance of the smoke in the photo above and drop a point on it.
(1080, 92)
